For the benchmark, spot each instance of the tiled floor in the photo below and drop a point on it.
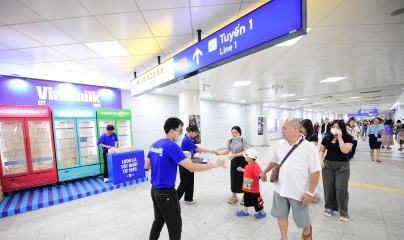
(127, 213)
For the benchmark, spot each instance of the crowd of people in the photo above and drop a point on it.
(295, 169)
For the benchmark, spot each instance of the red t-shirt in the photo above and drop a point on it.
(252, 171)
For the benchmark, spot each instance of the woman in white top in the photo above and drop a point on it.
(374, 132)
(353, 130)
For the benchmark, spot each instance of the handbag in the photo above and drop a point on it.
(275, 172)
(379, 139)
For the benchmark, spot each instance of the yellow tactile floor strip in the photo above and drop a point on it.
(376, 187)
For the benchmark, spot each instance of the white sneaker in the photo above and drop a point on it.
(105, 180)
(190, 202)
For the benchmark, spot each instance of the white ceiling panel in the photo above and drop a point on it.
(142, 46)
(45, 65)
(13, 39)
(208, 20)
(86, 29)
(352, 12)
(45, 33)
(319, 9)
(149, 61)
(311, 62)
(158, 4)
(70, 65)
(56, 9)
(12, 12)
(361, 33)
(169, 22)
(107, 6)
(383, 15)
(322, 35)
(126, 25)
(395, 33)
(174, 43)
(124, 62)
(46, 54)
(301, 51)
(3, 47)
(390, 48)
(14, 56)
(76, 51)
(96, 63)
(362, 48)
(213, 2)
(331, 50)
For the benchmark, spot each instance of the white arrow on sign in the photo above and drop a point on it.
(196, 55)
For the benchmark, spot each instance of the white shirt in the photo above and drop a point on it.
(353, 131)
(294, 175)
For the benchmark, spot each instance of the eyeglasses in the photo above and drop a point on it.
(179, 131)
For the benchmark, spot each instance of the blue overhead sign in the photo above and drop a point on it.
(365, 113)
(272, 23)
(266, 26)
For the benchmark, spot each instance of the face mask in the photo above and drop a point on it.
(237, 138)
(334, 131)
(177, 137)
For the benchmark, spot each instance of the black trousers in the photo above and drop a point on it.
(166, 210)
(104, 156)
(236, 177)
(186, 185)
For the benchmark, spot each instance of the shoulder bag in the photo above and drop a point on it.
(275, 172)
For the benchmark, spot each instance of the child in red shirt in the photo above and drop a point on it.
(251, 187)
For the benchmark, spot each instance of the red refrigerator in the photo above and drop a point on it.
(27, 153)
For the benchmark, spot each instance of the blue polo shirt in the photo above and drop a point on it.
(164, 156)
(108, 140)
(188, 145)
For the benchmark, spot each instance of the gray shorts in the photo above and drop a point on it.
(281, 207)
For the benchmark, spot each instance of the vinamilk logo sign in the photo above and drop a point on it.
(18, 91)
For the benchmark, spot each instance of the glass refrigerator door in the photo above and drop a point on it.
(13, 154)
(41, 145)
(102, 124)
(88, 142)
(65, 142)
(124, 136)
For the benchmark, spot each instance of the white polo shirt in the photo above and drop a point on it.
(294, 175)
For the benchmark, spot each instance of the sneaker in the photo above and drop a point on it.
(105, 180)
(190, 202)
(241, 214)
(328, 212)
(344, 218)
(259, 215)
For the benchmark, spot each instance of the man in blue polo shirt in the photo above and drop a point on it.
(107, 140)
(163, 159)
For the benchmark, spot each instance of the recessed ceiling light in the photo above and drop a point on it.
(354, 97)
(108, 49)
(302, 99)
(318, 103)
(241, 83)
(158, 90)
(288, 95)
(333, 79)
(282, 106)
(243, 100)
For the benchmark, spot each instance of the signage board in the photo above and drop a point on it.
(369, 112)
(268, 25)
(123, 167)
(33, 92)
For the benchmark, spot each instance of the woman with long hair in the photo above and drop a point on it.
(388, 134)
(187, 177)
(353, 130)
(374, 132)
(336, 169)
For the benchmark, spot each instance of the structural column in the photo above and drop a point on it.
(189, 105)
(256, 110)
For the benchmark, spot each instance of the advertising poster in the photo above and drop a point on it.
(272, 125)
(260, 125)
(195, 120)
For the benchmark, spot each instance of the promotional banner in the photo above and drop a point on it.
(272, 125)
(19, 91)
(260, 125)
(123, 167)
(195, 120)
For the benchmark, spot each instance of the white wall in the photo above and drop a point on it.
(150, 111)
(282, 115)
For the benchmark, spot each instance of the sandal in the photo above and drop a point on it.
(232, 200)
(307, 236)
(242, 202)
(316, 198)
(379, 160)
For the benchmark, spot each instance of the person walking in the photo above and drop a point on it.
(353, 130)
(108, 140)
(388, 134)
(163, 158)
(298, 177)
(336, 169)
(187, 177)
(324, 128)
(237, 146)
(374, 132)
